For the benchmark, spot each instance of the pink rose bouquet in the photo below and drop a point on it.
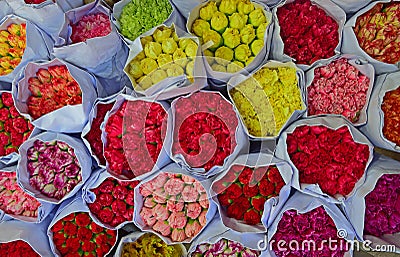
(224, 247)
(340, 88)
(174, 205)
(90, 26)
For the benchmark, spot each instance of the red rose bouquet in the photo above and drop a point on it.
(78, 235)
(174, 205)
(334, 155)
(14, 128)
(205, 131)
(390, 108)
(91, 133)
(340, 87)
(110, 201)
(17, 248)
(90, 26)
(133, 137)
(14, 201)
(243, 191)
(305, 40)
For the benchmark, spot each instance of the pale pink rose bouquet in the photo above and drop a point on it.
(174, 205)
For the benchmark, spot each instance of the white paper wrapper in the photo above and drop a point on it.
(216, 231)
(223, 77)
(85, 163)
(373, 129)
(89, 197)
(235, 81)
(277, 47)
(242, 144)
(163, 158)
(71, 206)
(186, 6)
(171, 86)
(332, 122)
(360, 64)
(5, 9)
(48, 16)
(37, 44)
(70, 118)
(255, 160)
(92, 116)
(351, 6)
(175, 17)
(33, 234)
(67, 5)
(43, 211)
(355, 208)
(350, 43)
(135, 236)
(96, 54)
(172, 169)
(305, 203)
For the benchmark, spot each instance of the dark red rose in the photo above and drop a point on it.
(245, 176)
(300, 160)
(107, 186)
(120, 192)
(95, 207)
(235, 211)
(70, 228)
(106, 215)
(70, 217)
(224, 199)
(291, 143)
(258, 203)
(252, 217)
(105, 199)
(17, 139)
(59, 238)
(101, 239)
(96, 228)
(273, 175)
(234, 191)
(266, 188)
(63, 249)
(244, 202)
(58, 226)
(88, 246)
(73, 254)
(250, 191)
(84, 234)
(118, 206)
(14, 112)
(73, 244)
(82, 219)
(117, 220)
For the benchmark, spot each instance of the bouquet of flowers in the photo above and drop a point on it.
(52, 92)
(173, 204)
(54, 166)
(148, 244)
(12, 47)
(242, 191)
(17, 248)
(269, 99)
(110, 201)
(73, 232)
(133, 136)
(327, 144)
(299, 38)
(341, 86)
(206, 132)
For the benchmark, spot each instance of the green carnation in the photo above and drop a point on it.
(213, 36)
(161, 34)
(231, 37)
(237, 20)
(180, 57)
(249, 60)
(152, 50)
(207, 11)
(169, 46)
(261, 31)
(245, 6)
(191, 49)
(256, 46)
(209, 56)
(158, 75)
(164, 59)
(257, 17)
(174, 70)
(228, 6)
(148, 65)
(247, 34)
(242, 53)
(199, 27)
(223, 55)
(183, 42)
(219, 22)
(134, 69)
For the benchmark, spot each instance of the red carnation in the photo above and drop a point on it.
(223, 199)
(105, 199)
(96, 228)
(107, 186)
(88, 246)
(118, 206)
(82, 219)
(273, 175)
(250, 191)
(58, 226)
(70, 228)
(266, 187)
(252, 217)
(73, 244)
(258, 203)
(245, 176)
(234, 191)
(106, 215)
(120, 192)
(235, 211)
(84, 234)
(7, 99)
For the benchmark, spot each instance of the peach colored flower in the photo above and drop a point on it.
(204, 202)
(177, 220)
(147, 216)
(174, 186)
(178, 235)
(160, 195)
(160, 212)
(193, 210)
(202, 218)
(188, 179)
(162, 227)
(192, 228)
(189, 194)
(175, 206)
(145, 190)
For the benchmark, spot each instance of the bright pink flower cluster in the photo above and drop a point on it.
(14, 128)
(135, 135)
(315, 226)
(90, 26)
(13, 200)
(382, 214)
(330, 158)
(53, 168)
(338, 88)
(224, 247)
(174, 205)
(114, 201)
(205, 127)
(307, 31)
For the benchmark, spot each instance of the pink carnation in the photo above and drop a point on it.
(91, 26)
(177, 220)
